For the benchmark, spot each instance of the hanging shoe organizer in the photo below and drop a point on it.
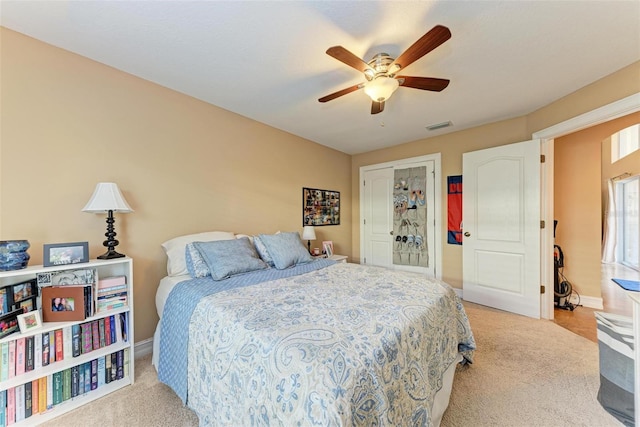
(410, 217)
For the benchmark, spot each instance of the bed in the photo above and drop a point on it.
(313, 343)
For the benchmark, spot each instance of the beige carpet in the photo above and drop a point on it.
(526, 373)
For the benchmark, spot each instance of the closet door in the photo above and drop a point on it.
(377, 217)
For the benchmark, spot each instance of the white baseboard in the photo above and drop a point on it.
(143, 348)
(591, 302)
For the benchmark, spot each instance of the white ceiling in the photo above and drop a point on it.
(266, 60)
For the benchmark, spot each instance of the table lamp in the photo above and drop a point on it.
(308, 234)
(108, 199)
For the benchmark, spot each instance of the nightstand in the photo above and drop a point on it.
(339, 258)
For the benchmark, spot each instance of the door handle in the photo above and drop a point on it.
(467, 234)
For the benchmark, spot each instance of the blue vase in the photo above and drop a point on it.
(13, 254)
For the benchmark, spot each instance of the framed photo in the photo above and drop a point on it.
(27, 305)
(63, 303)
(327, 246)
(24, 291)
(65, 253)
(6, 300)
(320, 207)
(9, 323)
(29, 321)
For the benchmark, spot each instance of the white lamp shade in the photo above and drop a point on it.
(381, 88)
(308, 233)
(107, 197)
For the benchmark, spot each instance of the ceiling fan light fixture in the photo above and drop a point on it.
(381, 88)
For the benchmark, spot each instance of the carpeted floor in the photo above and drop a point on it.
(526, 373)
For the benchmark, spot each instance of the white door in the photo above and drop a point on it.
(378, 217)
(501, 227)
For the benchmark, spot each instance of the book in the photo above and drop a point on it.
(95, 334)
(57, 388)
(3, 408)
(124, 325)
(52, 346)
(113, 295)
(11, 405)
(37, 351)
(107, 368)
(120, 364)
(81, 379)
(28, 399)
(20, 356)
(111, 281)
(126, 362)
(94, 374)
(112, 326)
(49, 391)
(29, 351)
(75, 380)
(114, 366)
(35, 397)
(66, 384)
(19, 402)
(42, 391)
(75, 340)
(101, 372)
(88, 376)
(67, 341)
(45, 348)
(111, 289)
(4, 365)
(12, 359)
(59, 345)
(86, 338)
(101, 332)
(107, 331)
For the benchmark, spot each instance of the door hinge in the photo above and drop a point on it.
(542, 289)
(364, 183)
(364, 221)
(542, 224)
(542, 158)
(365, 260)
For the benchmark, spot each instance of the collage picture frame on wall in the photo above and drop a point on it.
(320, 207)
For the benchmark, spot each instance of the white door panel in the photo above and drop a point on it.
(501, 227)
(378, 217)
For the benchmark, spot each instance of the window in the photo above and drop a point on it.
(628, 194)
(625, 142)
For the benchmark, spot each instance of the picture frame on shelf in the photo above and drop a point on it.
(24, 291)
(9, 323)
(6, 299)
(29, 321)
(27, 305)
(327, 247)
(63, 303)
(65, 253)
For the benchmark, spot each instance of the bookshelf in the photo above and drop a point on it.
(93, 359)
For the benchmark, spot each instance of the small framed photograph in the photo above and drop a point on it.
(6, 300)
(65, 253)
(63, 303)
(29, 321)
(327, 246)
(25, 290)
(9, 323)
(27, 305)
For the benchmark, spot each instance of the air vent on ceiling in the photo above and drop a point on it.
(439, 125)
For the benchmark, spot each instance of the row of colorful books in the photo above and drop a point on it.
(40, 395)
(26, 354)
(112, 293)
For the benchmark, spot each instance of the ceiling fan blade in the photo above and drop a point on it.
(424, 83)
(425, 44)
(343, 55)
(377, 107)
(340, 93)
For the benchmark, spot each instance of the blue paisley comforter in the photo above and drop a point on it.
(341, 345)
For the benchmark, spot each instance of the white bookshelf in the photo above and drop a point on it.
(104, 268)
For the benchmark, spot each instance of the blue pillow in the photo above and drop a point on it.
(226, 258)
(262, 251)
(285, 249)
(195, 263)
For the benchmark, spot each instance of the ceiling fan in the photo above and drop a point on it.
(381, 71)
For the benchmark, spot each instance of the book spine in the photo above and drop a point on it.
(101, 332)
(66, 384)
(20, 356)
(4, 367)
(107, 368)
(20, 402)
(114, 295)
(29, 351)
(107, 331)
(42, 391)
(124, 324)
(75, 380)
(75, 340)
(50, 391)
(45, 349)
(120, 365)
(114, 366)
(94, 374)
(37, 351)
(108, 282)
(87, 376)
(57, 388)
(102, 368)
(59, 345)
(126, 362)
(95, 332)
(35, 397)
(111, 289)
(28, 400)
(11, 405)
(3, 408)
(87, 340)
(67, 342)
(12, 359)
(112, 326)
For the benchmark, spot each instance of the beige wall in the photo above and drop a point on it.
(580, 170)
(183, 165)
(618, 85)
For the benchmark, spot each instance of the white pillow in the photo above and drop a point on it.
(175, 249)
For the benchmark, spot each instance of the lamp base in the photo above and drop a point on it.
(110, 254)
